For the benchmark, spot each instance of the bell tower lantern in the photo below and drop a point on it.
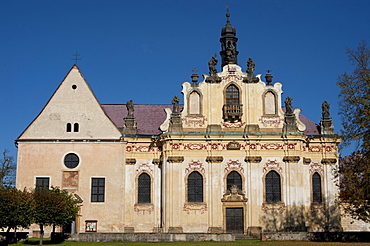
(228, 41)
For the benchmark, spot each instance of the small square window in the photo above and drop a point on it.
(42, 183)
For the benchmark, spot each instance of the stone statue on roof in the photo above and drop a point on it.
(175, 102)
(325, 110)
(251, 66)
(288, 105)
(212, 65)
(130, 108)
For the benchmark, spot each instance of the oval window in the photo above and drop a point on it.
(71, 160)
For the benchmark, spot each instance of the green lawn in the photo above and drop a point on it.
(235, 243)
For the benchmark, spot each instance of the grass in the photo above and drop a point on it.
(235, 243)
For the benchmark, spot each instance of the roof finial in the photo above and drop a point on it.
(227, 11)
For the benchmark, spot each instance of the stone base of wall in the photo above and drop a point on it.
(254, 231)
(317, 236)
(274, 236)
(150, 237)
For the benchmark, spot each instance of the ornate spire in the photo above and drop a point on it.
(228, 41)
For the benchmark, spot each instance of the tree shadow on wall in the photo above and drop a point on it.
(299, 218)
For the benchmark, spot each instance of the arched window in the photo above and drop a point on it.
(273, 187)
(194, 103)
(143, 195)
(195, 187)
(270, 107)
(316, 188)
(75, 127)
(232, 95)
(234, 178)
(69, 127)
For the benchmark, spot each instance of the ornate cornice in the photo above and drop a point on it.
(214, 159)
(175, 159)
(329, 161)
(293, 159)
(253, 159)
(306, 160)
(130, 161)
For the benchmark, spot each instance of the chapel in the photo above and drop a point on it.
(233, 157)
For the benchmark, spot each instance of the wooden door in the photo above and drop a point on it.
(235, 220)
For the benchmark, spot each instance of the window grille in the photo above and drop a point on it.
(273, 189)
(97, 189)
(316, 188)
(195, 187)
(144, 188)
(234, 178)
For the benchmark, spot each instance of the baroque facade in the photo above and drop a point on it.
(231, 158)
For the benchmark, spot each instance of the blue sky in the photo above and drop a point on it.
(144, 50)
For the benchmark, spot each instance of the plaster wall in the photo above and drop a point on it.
(97, 160)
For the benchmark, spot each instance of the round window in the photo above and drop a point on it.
(71, 160)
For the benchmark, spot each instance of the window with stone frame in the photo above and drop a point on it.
(97, 189)
(316, 188)
(195, 187)
(234, 178)
(144, 188)
(42, 183)
(273, 187)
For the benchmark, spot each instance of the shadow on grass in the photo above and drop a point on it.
(36, 241)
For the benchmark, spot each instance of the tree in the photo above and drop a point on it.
(354, 109)
(7, 169)
(54, 207)
(17, 209)
(354, 173)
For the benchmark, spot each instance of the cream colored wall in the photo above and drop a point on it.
(295, 180)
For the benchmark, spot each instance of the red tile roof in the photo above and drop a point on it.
(150, 116)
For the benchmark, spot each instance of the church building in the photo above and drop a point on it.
(233, 157)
